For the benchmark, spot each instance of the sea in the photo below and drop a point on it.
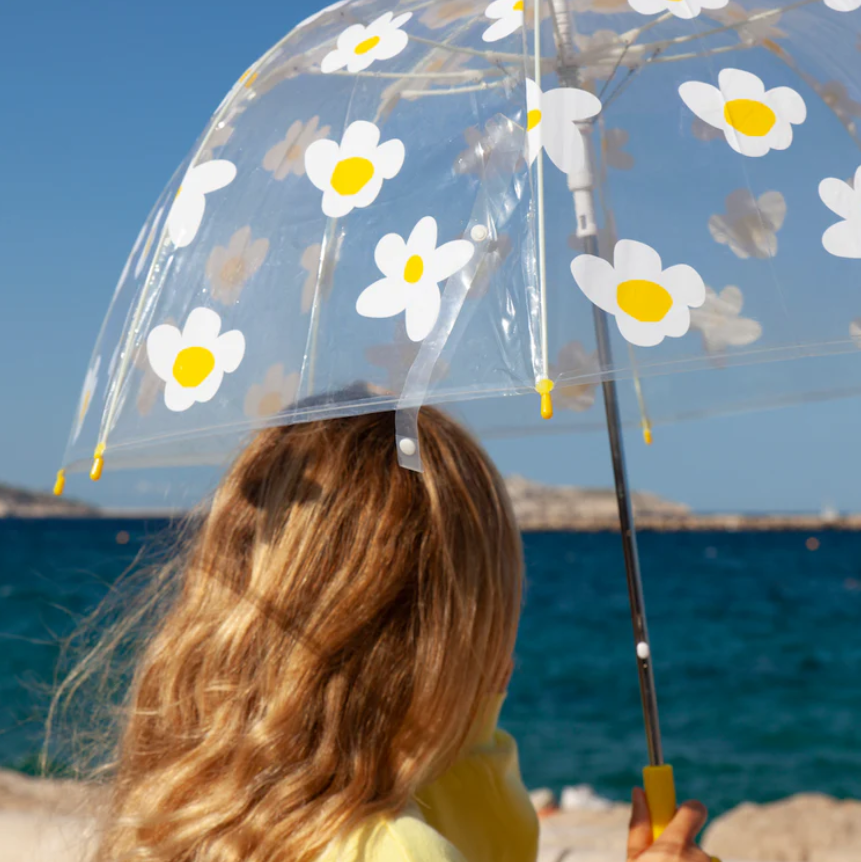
(756, 640)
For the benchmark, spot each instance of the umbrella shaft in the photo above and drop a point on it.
(629, 539)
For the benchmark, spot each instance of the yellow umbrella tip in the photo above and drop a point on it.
(98, 463)
(544, 388)
(60, 483)
(647, 435)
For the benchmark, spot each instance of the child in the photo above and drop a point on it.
(325, 686)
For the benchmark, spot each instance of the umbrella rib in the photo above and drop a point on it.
(709, 52)
(466, 74)
(453, 91)
(491, 56)
(735, 25)
(542, 230)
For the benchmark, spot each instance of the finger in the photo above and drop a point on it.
(640, 829)
(686, 825)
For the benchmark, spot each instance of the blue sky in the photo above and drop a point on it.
(101, 102)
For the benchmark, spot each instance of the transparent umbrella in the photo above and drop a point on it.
(408, 203)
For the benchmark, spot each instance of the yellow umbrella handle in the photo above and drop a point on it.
(661, 794)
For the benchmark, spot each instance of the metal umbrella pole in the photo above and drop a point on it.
(658, 776)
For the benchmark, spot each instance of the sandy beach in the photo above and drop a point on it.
(46, 821)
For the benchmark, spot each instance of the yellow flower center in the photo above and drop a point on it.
(533, 118)
(645, 301)
(518, 6)
(367, 45)
(352, 175)
(750, 117)
(414, 270)
(192, 366)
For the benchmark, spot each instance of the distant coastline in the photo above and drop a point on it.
(538, 508)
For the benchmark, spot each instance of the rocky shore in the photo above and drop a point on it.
(19, 503)
(48, 821)
(537, 507)
(557, 508)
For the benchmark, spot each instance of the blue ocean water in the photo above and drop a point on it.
(757, 643)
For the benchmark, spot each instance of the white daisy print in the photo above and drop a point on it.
(87, 392)
(507, 16)
(679, 8)
(754, 120)
(351, 174)
(750, 225)
(274, 395)
(288, 155)
(844, 238)
(413, 271)
(186, 214)
(552, 123)
(359, 46)
(648, 301)
(193, 362)
(720, 322)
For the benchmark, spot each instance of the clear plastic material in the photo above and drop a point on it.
(289, 269)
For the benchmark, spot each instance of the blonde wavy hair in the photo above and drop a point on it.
(335, 625)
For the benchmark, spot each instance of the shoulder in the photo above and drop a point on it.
(409, 838)
(404, 838)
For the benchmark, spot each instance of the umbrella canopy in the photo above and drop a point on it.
(426, 199)
(419, 202)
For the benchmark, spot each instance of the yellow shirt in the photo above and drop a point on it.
(479, 811)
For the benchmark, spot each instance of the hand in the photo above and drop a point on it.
(677, 844)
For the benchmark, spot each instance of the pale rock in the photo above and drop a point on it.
(543, 799)
(582, 798)
(804, 828)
